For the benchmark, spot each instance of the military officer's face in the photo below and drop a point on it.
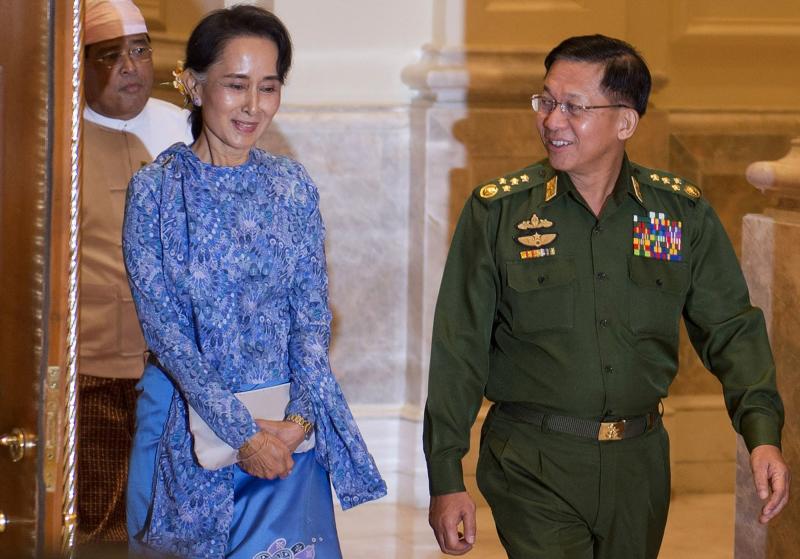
(589, 140)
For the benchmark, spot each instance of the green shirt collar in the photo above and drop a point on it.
(627, 185)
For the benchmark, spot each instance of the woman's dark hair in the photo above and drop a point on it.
(218, 28)
(626, 78)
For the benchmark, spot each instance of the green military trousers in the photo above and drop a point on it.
(558, 496)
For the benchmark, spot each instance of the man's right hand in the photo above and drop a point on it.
(446, 512)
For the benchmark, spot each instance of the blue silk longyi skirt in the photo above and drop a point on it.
(272, 519)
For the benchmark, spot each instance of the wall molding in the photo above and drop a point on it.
(690, 28)
(540, 6)
(737, 122)
(154, 13)
(742, 28)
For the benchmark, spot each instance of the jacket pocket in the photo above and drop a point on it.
(656, 295)
(99, 320)
(131, 341)
(541, 294)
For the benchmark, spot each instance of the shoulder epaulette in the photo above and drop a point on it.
(518, 181)
(666, 181)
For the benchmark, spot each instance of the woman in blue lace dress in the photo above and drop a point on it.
(224, 249)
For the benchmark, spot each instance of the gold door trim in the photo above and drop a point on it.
(71, 385)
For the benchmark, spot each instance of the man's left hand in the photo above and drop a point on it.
(771, 475)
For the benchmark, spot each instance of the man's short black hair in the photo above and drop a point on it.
(626, 78)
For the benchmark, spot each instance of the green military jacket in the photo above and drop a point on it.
(543, 302)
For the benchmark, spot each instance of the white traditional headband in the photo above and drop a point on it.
(109, 19)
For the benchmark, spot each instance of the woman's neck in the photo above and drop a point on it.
(210, 149)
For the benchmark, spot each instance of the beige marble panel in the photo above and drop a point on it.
(784, 536)
(359, 159)
(779, 279)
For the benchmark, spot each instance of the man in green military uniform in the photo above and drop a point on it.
(560, 302)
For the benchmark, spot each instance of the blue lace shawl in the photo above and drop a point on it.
(227, 270)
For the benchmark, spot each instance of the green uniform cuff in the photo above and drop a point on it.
(758, 429)
(445, 477)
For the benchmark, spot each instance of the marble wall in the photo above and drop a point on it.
(359, 159)
(772, 265)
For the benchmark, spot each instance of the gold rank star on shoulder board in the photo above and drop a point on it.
(676, 184)
(504, 184)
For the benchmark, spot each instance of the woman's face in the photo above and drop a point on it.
(240, 96)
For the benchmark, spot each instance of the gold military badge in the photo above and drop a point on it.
(536, 239)
(692, 191)
(535, 222)
(488, 191)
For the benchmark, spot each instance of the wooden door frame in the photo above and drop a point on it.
(59, 404)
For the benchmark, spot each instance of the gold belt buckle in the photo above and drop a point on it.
(611, 430)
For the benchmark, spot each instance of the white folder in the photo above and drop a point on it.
(265, 403)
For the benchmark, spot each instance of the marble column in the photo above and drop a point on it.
(771, 263)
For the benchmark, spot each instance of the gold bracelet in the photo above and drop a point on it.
(302, 422)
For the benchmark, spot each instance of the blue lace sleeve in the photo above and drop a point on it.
(300, 402)
(149, 232)
(310, 317)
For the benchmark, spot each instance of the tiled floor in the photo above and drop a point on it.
(699, 527)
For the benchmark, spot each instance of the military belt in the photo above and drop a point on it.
(617, 430)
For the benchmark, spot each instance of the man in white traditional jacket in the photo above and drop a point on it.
(123, 129)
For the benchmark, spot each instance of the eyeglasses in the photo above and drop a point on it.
(136, 54)
(545, 105)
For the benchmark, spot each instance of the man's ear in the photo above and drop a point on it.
(628, 121)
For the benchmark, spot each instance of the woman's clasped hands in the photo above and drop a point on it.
(268, 453)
